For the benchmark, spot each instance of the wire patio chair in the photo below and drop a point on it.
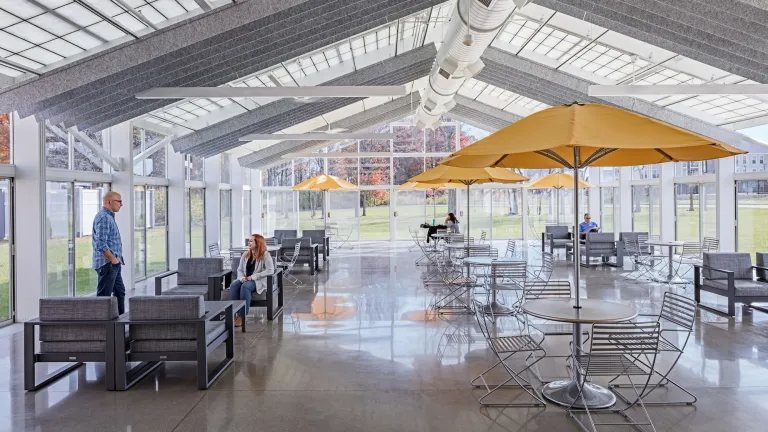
(289, 265)
(614, 352)
(504, 348)
(676, 317)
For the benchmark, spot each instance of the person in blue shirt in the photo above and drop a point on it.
(108, 251)
(587, 225)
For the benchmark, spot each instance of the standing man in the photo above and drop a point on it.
(108, 250)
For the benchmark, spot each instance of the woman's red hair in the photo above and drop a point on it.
(259, 250)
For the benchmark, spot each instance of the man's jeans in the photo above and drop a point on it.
(111, 283)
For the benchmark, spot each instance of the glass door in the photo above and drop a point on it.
(374, 214)
(87, 200)
(687, 212)
(196, 220)
(6, 264)
(410, 206)
(139, 232)
(751, 214)
(60, 238)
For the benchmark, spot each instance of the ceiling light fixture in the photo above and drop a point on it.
(468, 36)
(249, 92)
(320, 136)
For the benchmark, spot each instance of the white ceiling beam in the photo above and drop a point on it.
(318, 136)
(682, 89)
(152, 149)
(136, 14)
(256, 92)
(116, 164)
(204, 5)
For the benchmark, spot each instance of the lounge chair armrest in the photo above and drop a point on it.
(700, 266)
(159, 280)
(757, 267)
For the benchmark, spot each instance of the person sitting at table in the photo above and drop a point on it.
(255, 265)
(587, 226)
(452, 223)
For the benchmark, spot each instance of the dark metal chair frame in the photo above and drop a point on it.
(31, 357)
(730, 293)
(215, 311)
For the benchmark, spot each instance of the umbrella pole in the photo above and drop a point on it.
(557, 207)
(576, 235)
(434, 207)
(467, 212)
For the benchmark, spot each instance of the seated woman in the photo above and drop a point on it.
(452, 223)
(255, 265)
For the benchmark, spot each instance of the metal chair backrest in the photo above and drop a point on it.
(551, 289)
(442, 231)
(511, 248)
(711, 244)
(483, 235)
(296, 252)
(213, 250)
(678, 309)
(691, 249)
(633, 339)
(547, 266)
(482, 252)
(509, 272)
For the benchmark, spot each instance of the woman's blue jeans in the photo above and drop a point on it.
(242, 291)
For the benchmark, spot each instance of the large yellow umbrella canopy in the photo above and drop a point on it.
(557, 181)
(604, 136)
(467, 176)
(324, 182)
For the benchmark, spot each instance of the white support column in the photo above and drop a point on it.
(31, 230)
(524, 210)
(625, 199)
(594, 208)
(256, 209)
(236, 180)
(726, 204)
(212, 210)
(177, 236)
(122, 183)
(667, 201)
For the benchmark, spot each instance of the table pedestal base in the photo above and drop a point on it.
(565, 392)
(496, 309)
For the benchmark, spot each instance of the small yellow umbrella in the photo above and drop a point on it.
(324, 182)
(467, 176)
(434, 187)
(557, 181)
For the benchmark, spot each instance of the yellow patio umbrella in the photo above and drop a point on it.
(434, 187)
(557, 181)
(324, 183)
(576, 136)
(467, 176)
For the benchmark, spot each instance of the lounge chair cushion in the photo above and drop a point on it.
(742, 287)
(78, 308)
(195, 271)
(73, 346)
(177, 307)
(738, 262)
(213, 329)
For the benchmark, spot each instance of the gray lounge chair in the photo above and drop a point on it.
(72, 329)
(196, 276)
(173, 328)
(272, 298)
(597, 245)
(556, 237)
(319, 237)
(731, 275)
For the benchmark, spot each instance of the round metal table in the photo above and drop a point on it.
(670, 245)
(493, 307)
(590, 311)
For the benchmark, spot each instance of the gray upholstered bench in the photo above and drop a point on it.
(71, 329)
(731, 275)
(173, 328)
(196, 276)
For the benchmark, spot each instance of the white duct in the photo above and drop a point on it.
(456, 61)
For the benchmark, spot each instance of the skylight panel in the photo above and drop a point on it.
(607, 62)
(30, 33)
(106, 30)
(518, 30)
(25, 62)
(108, 7)
(41, 55)
(151, 14)
(82, 39)
(21, 8)
(13, 43)
(553, 42)
(728, 107)
(78, 14)
(53, 24)
(7, 19)
(128, 21)
(169, 8)
(9, 71)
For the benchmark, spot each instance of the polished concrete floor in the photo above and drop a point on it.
(358, 350)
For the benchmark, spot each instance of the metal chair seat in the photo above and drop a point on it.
(508, 344)
(608, 364)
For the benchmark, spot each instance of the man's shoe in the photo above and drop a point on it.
(239, 322)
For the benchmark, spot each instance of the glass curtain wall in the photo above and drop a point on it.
(150, 230)
(6, 276)
(541, 210)
(279, 208)
(645, 209)
(708, 210)
(345, 211)
(751, 216)
(70, 210)
(225, 217)
(438, 204)
(507, 215)
(480, 212)
(310, 210)
(411, 208)
(695, 211)
(374, 214)
(609, 215)
(247, 215)
(196, 221)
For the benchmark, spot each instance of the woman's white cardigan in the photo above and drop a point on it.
(263, 268)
